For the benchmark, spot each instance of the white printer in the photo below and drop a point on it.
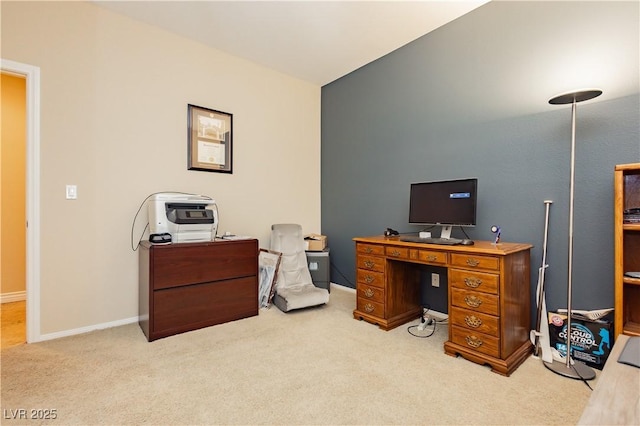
(182, 218)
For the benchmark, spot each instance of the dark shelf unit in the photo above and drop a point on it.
(627, 250)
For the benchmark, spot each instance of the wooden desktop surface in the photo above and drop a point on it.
(479, 247)
(616, 397)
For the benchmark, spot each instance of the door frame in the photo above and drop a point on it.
(32, 75)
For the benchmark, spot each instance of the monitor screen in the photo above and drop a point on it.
(451, 202)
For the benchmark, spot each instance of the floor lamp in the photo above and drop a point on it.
(570, 368)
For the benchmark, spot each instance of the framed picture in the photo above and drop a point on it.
(210, 140)
(268, 264)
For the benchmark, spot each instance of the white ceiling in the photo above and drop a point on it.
(316, 41)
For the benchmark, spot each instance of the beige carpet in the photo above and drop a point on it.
(316, 366)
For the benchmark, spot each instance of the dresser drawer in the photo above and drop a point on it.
(375, 279)
(475, 301)
(475, 262)
(371, 263)
(476, 281)
(479, 342)
(370, 249)
(397, 252)
(370, 307)
(201, 305)
(199, 263)
(374, 294)
(475, 321)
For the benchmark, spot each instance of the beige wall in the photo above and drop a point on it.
(114, 96)
(12, 184)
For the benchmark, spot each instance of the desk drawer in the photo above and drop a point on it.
(476, 281)
(475, 301)
(370, 307)
(479, 342)
(474, 321)
(475, 262)
(370, 249)
(371, 263)
(370, 293)
(438, 257)
(375, 279)
(397, 252)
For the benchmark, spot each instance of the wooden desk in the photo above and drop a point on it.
(488, 294)
(616, 398)
(186, 286)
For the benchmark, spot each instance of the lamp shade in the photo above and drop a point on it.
(577, 96)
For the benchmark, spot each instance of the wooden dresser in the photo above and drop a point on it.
(187, 286)
(488, 294)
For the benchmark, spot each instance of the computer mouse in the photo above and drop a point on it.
(467, 242)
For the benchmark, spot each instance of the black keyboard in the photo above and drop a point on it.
(442, 241)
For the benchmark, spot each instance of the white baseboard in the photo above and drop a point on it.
(342, 287)
(16, 296)
(82, 330)
(438, 315)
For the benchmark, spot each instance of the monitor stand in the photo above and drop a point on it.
(446, 232)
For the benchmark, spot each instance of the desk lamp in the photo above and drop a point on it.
(570, 368)
(496, 230)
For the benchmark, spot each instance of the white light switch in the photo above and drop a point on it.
(72, 192)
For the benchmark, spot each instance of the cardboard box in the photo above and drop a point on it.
(315, 242)
(591, 340)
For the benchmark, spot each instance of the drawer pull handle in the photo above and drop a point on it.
(369, 308)
(472, 301)
(473, 341)
(368, 250)
(472, 262)
(369, 279)
(395, 253)
(472, 282)
(369, 264)
(473, 321)
(432, 258)
(368, 292)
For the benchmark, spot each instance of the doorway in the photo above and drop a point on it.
(12, 209)
(31, 74)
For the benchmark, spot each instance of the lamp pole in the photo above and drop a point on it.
(571, 368)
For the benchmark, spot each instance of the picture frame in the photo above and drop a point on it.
(210, 140)
(268, 265)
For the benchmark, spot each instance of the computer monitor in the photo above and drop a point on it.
(445, 203)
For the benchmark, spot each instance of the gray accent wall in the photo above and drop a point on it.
(471, 100)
